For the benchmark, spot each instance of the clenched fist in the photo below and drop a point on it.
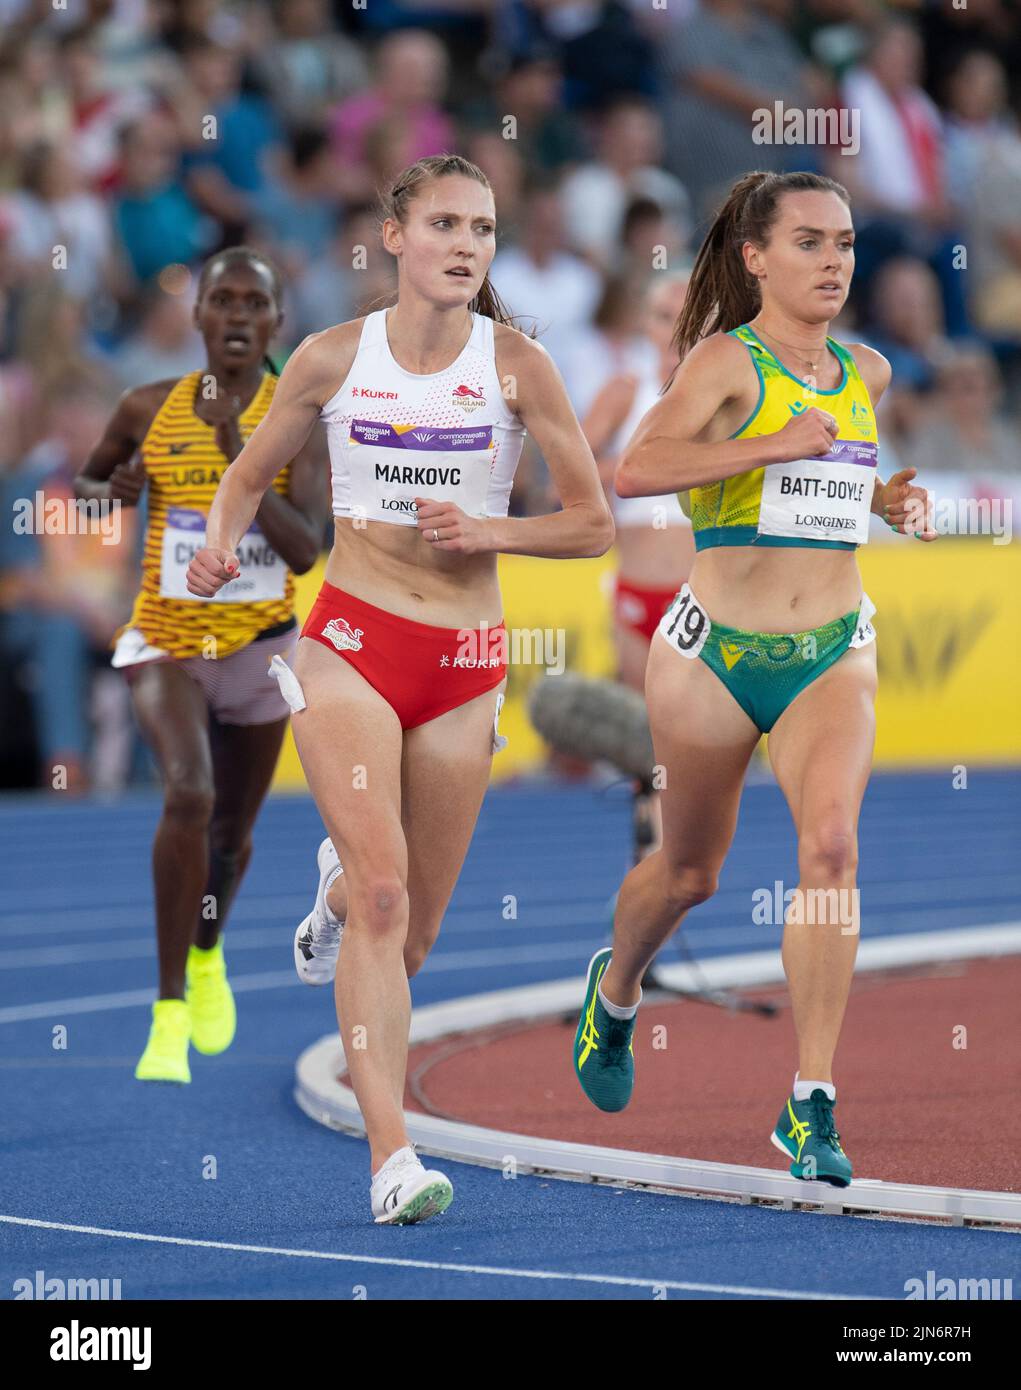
(210, 570)
(127, 481)
(808, 435)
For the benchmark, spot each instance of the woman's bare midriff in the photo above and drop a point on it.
(396, 568)
(775, 589)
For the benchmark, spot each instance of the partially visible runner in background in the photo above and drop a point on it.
(654, 542)
(198, 671)
(655, 546)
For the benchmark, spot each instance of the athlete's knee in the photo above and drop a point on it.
(188, 796)
(688, 885)
(828, 850)
(230, 839)
(379, 902)
(231, 851)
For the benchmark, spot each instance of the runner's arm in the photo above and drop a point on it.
(666, 453)
(114, 470)
(603, 419)
(876, 373)
(904, 505)
(295, 525)
(584, 526)
(608, 412)
(279, 437)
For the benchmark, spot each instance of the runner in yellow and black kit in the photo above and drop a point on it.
(769, 427)
(198, 670)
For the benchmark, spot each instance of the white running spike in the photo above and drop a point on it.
(317, 939)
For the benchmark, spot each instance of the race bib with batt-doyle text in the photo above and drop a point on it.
(263, 574)
(685, 624)
(826, 499)
(391, 465)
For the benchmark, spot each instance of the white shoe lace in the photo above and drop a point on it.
(324, 935)
(397, 1176)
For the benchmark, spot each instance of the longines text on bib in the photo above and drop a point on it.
(827, 498)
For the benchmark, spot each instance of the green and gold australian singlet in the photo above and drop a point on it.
(823, 502)
(814, 502)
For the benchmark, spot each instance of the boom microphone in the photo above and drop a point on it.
(594, 719)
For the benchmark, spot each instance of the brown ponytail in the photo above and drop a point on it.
(488, 303)
(406, 188)
(721, 293)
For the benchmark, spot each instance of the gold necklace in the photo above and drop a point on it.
(812, 366)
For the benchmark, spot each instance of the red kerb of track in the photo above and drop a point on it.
(928, 1075)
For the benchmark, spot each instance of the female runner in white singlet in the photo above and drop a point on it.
(397, 678)
(654, 545)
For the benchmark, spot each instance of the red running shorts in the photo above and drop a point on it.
(420, 670)
(640, 608)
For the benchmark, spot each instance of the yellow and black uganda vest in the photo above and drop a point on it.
(183, 467)
(823, 502)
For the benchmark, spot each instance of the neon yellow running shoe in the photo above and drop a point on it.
(213, 1015)
(166, 1054)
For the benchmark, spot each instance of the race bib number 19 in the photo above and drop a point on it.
(685, 624)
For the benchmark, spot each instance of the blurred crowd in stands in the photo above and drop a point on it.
(609, 130)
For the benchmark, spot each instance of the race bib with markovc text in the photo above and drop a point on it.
(827, 498)
(263, 574)
(391, 465)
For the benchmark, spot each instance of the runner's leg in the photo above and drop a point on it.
(173, 716)
(350, 743)
(444, 778)
(821, 752)
(444, 775)
(703, 740)
(244, 759)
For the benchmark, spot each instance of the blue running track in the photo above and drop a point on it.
(85, 1146)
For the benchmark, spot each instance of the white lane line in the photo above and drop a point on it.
(131, 998)
(274, 979)
(293, 907)
(457, 921)
(703, 934)
(881, 898)
(496, 1271)
(121, 845)
(244, 939)
(138, 912)
(277, 979)
(87, 1004)
(271, 938)
(899, 948)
